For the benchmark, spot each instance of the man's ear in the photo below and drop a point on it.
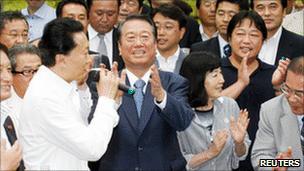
(183, 31)
(60, 59)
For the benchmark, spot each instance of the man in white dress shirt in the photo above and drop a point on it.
(37, 14)
(171, 26)
(53, 132)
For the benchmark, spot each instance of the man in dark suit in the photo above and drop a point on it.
(102, 33)
(280, 42)
(171, 26)
(145, 138)
(225, 10)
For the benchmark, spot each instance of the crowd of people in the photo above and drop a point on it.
(224, 93)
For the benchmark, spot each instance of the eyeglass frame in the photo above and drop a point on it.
(297, 93)
(26, 73)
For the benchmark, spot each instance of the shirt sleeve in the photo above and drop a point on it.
(62, 125)
(162, 104)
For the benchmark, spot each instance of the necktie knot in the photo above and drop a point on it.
(101, 36)
(139, 84)
(227, 50)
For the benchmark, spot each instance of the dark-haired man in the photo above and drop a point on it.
(280, 42)
(13, 28)
(145, 138)
(75, 9)
(225, 10)
(247, 79)
(170, 22)
(59, 138)
(103, 16)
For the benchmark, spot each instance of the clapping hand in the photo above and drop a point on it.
(219, 141)
(157, 89)
(283, 155)
(279, 74)
(238, 128)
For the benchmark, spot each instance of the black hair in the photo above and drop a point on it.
(184, 6)
(283, 3)
(90, 2)
(253, 16)
(243, 4)
(195, 67)
(58, 38)
(140, 17)
(173, 12)
(62, 3)
(10, 16)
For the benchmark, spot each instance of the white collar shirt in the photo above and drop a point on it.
(204, 35)
(222, 43)
(94, 42)
(167, 64)
(38, 20)
(53, 134)
(269, 48)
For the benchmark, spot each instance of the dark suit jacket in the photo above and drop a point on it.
(212, 45)
(192, 34)
(149, 142)
(291, 45)
(116, 56)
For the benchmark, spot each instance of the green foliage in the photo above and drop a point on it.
(20, 4)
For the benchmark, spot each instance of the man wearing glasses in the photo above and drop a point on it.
(13, 28)
(281, 129)
(25, 60)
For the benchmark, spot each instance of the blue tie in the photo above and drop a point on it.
(302, 136)
(139, 94)
(227, 51)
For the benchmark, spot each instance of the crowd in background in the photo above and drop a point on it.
(128, 85)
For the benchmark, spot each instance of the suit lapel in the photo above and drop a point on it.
(146, 109)
(179, 62)
(217, 46)
(283, 47)
(290, 131)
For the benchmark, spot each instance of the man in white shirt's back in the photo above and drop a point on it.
(53, 132)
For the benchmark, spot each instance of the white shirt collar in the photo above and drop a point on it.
(93, 33)
(174, 57)
(204, 35)
(133, 78)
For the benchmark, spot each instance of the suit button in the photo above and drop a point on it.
(136, 169)
(140, 148)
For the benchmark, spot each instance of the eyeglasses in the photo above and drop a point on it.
(27, 73)
(24, 36)
(288, 91)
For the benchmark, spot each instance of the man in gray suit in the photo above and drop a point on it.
(281, 129)
(171, 27)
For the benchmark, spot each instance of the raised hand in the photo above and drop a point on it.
(238, 128)
(157, 89)
(279, 74)
(219, 141)
(108, 82)
(243, 71)
(283, 155)
(10, 158)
